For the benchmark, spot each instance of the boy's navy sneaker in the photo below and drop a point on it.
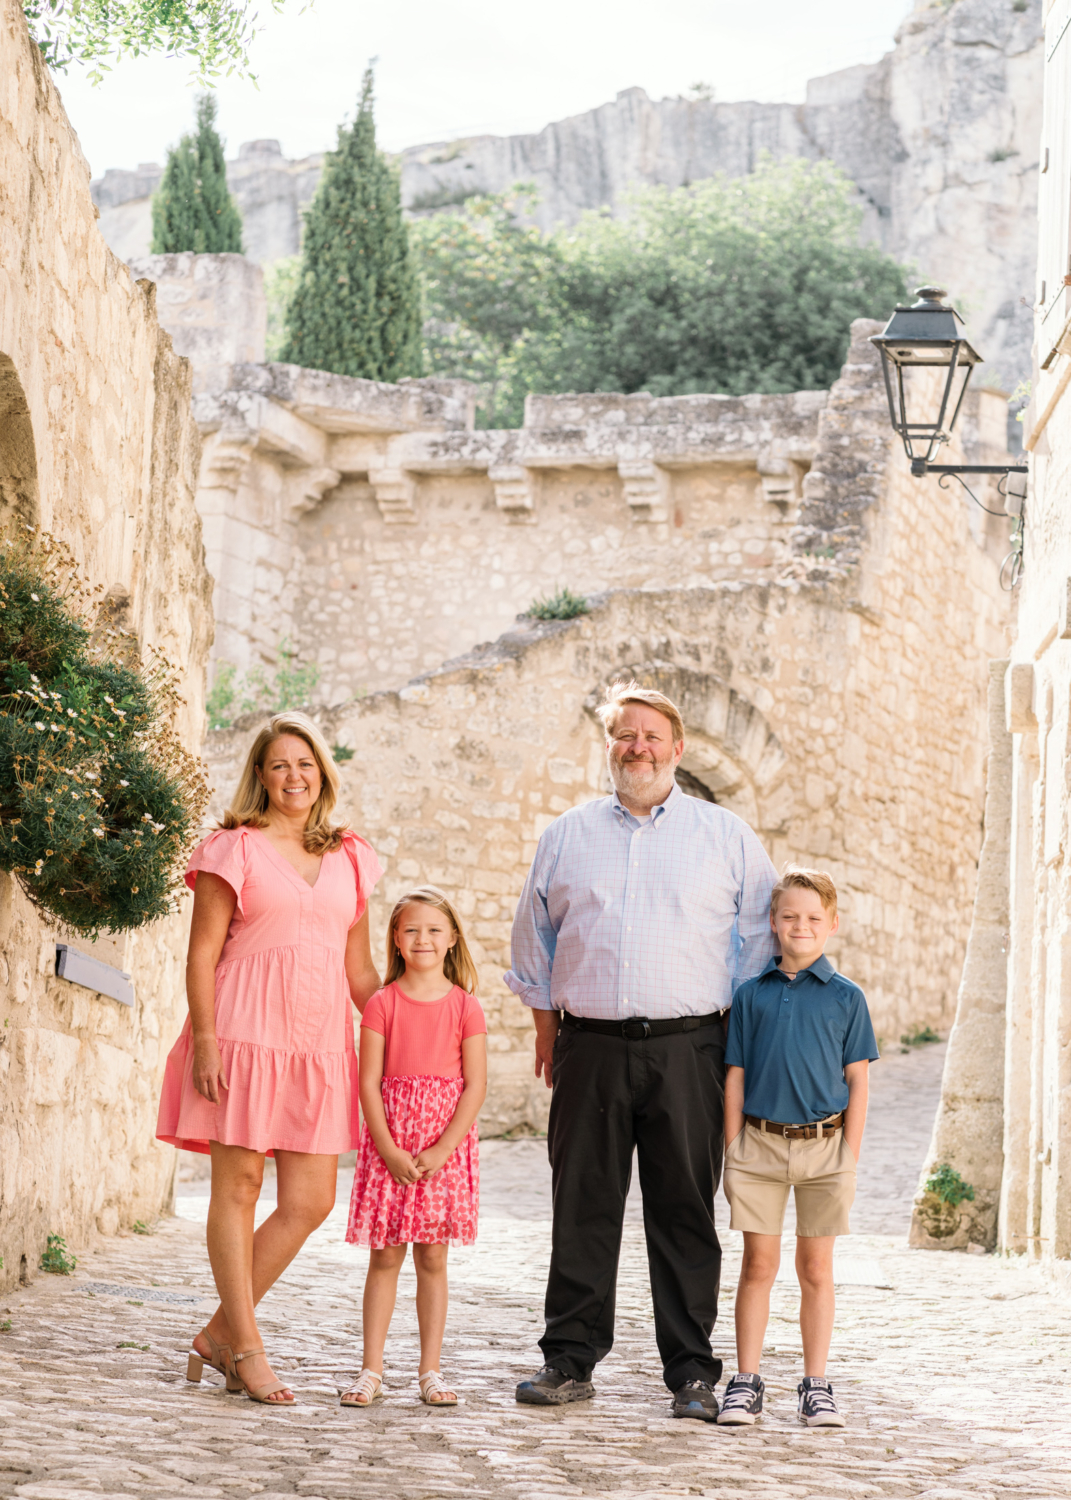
(742, 1401)
(696, 1398)
(817, 1407)
(552, 1387)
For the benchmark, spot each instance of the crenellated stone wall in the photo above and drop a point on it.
(98, 446)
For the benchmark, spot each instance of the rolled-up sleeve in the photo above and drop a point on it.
(534, 937)
(755, 941)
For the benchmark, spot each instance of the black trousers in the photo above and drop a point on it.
(665, 1097)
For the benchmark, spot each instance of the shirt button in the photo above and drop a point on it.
(626, 963)
(635, 864)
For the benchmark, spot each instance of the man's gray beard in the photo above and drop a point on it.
(653, 789)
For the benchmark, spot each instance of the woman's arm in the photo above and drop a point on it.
(399, 1163)
(213, 907)
(474, 1072)
(360, 970)
(857, 1077)
(734, 1103)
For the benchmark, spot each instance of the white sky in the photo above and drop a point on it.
(477, 66)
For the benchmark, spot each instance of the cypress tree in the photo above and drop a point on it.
(356, 306)
(192, 209)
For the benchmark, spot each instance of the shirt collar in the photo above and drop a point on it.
(822, 969)
(657, 813)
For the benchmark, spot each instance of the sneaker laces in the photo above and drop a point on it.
(820, 1397)
(739, 1393)
(697, 1385)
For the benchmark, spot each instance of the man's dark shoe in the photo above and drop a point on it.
(817, 1407)
(742, 1401)
(696, 1398)
(552, 1388)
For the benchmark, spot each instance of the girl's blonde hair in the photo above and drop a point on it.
(249, 805)
(457, 965)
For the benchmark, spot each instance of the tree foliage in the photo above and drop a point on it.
(214, 34)
(99, 800)
(732, 285)
(192, 209)
(356, 305)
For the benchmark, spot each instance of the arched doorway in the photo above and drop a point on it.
(18, 454)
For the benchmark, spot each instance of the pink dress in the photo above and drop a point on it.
(283, 1009)
(422, 1084)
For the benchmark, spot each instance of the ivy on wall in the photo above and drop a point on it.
(99, 800)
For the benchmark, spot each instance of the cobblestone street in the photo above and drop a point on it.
(952, 1369)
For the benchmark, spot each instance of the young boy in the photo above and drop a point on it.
(799, 1047)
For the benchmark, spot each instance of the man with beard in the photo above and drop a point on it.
(639, 913)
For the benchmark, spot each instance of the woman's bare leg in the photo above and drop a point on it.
(251, 1263)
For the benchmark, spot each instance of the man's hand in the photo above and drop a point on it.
(547, 1023)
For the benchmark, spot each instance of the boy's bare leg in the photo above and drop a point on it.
(762, 1256)
(814, 1267)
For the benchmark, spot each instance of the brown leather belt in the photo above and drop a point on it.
(640, 1028)
(797, 1132)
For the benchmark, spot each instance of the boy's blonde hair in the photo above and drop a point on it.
(809, 880)
(618, 694)
(457, 965)
(249, 805)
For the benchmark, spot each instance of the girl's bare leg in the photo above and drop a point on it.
(380, 1293)
(431, 1301)
(248, 1264)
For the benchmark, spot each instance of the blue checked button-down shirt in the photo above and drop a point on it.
(657, 918)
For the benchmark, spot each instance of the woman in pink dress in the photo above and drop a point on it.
(265, 1064)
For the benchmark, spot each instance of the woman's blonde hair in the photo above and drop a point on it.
(457, 965)
(249, 805)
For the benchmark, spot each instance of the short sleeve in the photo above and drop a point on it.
(734, 1040)
(473, 1021)
(860, 1044)
(366, 868)
(224, 853)
(374, 1017)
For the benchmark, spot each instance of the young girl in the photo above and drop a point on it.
(423, 1079)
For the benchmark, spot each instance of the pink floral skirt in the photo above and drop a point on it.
(438, 1210)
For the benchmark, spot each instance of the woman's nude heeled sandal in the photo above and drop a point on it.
(432, 1385)
(220, 1359)
(368, 1385)
(261, 1392)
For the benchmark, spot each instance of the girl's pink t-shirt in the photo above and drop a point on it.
(423, 1037)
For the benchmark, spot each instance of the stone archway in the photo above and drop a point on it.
(731, 754)
(18, 452)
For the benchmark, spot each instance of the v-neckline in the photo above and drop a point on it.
(287, 865)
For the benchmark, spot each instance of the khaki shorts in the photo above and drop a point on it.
(761, 1167)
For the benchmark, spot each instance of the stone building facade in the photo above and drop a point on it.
(97, 446)
(1005, 1117)
(825, 620)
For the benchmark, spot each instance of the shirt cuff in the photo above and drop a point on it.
(535, 996)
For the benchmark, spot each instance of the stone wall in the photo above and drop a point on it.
(940, 137)
(833, 680)
(98, 446)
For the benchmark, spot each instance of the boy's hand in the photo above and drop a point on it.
(431, 1159)
(402, 1167)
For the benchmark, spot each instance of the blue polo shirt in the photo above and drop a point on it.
(794, 1038)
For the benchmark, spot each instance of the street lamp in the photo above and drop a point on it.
(925, 336)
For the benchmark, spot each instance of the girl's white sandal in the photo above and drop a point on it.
(432, 1386)
(368, 1387)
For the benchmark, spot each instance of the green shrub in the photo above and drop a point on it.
(289, 686)
(342, 753)
(946, 1184)
(99, 800)
(564, 605)
(56, 1258)
(920, 1036)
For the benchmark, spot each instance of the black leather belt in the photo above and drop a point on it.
(639, 1028)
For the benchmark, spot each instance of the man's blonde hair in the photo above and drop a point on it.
(618, 694)
(249, 805)
(792, 876)
(458, 966)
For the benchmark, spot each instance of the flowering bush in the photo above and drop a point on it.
(99, 801)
